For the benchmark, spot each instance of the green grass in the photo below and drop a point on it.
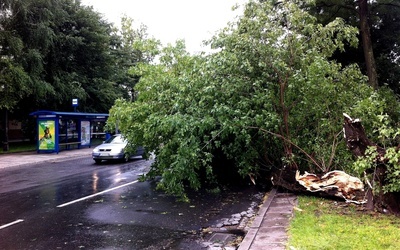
(326, 224)
(19, 147)
(15, 147)
(96, 141)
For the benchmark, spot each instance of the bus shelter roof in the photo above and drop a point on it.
(69, 115)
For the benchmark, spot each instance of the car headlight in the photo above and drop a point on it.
(96, 150)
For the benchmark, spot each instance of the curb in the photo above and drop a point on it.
(269, 228)
(255, 226)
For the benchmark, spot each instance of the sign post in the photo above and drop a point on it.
(75, 103)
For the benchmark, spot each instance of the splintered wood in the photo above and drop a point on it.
(334, 183)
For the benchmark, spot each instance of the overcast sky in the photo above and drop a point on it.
(169, 20)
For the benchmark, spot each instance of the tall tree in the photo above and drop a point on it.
(65, 48)
(128, 54)
(367, 43)
(52, 51)
(378, 22)
(20, 65)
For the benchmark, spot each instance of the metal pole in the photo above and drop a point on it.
(5, 135)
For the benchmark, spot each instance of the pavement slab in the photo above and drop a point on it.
(269, 228)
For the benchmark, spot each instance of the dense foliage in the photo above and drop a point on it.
(54, 50)
(388, 137)
(269, 97)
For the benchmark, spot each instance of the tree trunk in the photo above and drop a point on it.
(357, 142)
(367, 44)
(5, 131)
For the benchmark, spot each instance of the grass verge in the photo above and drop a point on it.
(25, 146)
(19, 147)
(326, 224)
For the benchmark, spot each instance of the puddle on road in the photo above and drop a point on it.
(141, 215)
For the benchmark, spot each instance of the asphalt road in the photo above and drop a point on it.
(76, 204)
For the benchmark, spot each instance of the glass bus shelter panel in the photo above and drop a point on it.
(68, 131)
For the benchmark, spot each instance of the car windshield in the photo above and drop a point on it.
(115, 139)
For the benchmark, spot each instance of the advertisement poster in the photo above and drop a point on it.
(46, 135)
(85, 133)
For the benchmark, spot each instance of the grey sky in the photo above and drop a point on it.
(191, 20)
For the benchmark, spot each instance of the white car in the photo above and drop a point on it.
(114, 149)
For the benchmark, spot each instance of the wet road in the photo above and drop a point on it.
(76, 204)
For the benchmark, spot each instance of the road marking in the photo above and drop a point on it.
(96, 194)
(11, 223)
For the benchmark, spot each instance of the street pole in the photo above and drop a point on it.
(5, 131)
(75, 103)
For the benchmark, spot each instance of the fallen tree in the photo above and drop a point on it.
(338, 184)
(334, 184)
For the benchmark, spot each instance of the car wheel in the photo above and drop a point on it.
(126, 158)
(97, 161)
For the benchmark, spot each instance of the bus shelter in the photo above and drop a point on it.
(66, 130)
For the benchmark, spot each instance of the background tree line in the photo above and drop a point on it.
(54, 50)
(378, 50)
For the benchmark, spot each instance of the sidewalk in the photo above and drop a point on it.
(267, 231)
(269, 228)
(17, 159)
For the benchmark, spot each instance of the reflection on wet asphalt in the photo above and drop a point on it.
(133, 217)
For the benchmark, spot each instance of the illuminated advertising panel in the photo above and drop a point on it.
(46, 132)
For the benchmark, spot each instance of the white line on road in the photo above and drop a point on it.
(11, 223)
(99, 193)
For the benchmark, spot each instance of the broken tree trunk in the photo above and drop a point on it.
(340, 184)
(357, 142)
(334, 184)
(356, 139)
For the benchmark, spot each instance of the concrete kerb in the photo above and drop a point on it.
(255, 226)
(269, 227)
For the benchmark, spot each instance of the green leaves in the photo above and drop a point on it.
(52, 51)
(14, 82)
(389, 139)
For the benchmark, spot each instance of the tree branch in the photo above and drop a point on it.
(290, 142)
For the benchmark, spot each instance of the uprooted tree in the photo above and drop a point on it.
(272, 72)
(380, 167)
(380, 164)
